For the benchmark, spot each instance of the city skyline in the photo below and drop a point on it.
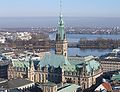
(75, 8)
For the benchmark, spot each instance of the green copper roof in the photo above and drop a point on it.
(92, 65)
(53, 60)
(116, 77)
(61, 32)
(88, 58)
(22, 64)
(89, 61)
(69, 68)
(61, 22)
(75, 60)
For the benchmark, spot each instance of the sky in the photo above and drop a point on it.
(74, 8)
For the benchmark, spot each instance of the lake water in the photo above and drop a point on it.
(77, 37)
(85, 52)
(12, 22)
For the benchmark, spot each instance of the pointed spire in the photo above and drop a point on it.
(61, 22)
(61, 33)
(61, 8)
(61, 42)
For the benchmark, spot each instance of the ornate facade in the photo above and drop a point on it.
(58, 67)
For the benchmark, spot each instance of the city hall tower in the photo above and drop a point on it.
(61, 41)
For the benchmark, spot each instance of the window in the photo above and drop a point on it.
(65, 54)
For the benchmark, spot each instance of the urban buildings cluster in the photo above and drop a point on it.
(34, 71)
(75, 30)
(14, 35)
(56, 68)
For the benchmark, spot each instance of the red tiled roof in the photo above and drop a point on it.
(107, 86)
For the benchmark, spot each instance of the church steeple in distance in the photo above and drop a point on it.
(61, 42)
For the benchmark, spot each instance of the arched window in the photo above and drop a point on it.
(65, 54)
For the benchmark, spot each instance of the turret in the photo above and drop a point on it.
(31, 74)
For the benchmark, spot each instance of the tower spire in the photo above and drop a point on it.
(60, 7)
(61, 42)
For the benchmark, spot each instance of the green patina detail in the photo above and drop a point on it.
(92, 66)
(21, 64)
(69, 68)
(116, 77)
(90, 63)
(72, 65)
(75, 60)
(61, 31)
(53, 60)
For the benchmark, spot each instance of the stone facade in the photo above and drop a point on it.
(49, 87)
(79, 76)
(57, 68)
(110, 65)
(111, 61)
(30, 72)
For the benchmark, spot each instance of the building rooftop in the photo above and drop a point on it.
(104, 87)
(2, 80)
(11, 84)
(68, 88)
(116, 77)
(53, 60)
(92, 65)
(3, 63)
(114, 54)
(22, 64)
(49, 84)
